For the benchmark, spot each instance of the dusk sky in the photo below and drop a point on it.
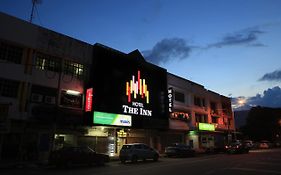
(232, 47)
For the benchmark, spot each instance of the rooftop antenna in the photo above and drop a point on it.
(34, 2)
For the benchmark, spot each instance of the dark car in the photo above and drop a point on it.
(137, 151)
(179, 150)
(236, 148)
(68, 156)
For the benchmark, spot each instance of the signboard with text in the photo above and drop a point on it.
(206, 127)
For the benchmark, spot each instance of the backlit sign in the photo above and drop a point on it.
(170, 100)
(137, 96)
(112, 119)
(206, 127)
(180, 116)
(89, 100)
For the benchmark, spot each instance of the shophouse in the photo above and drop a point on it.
(42, 76)
(198, 117)
(128, 100)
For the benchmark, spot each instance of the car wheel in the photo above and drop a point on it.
(155, 157)
(134, 158)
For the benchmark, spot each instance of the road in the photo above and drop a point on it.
(257, 162)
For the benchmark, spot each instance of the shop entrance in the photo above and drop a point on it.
(120, 142)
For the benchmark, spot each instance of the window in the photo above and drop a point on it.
(201, 118)
(47, 62)
(214, 119)
(214, 108)
(4, 111)
(179, 96)
(10, 53)
(69, 100)
(74, 69)
(9, 88)
(199, 101)
(41, 94)
(226, 109)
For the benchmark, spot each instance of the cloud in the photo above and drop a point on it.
(246, 37)
(270, 98)
(168, 49)
(273, 76)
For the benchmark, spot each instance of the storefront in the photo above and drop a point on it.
(125, 101)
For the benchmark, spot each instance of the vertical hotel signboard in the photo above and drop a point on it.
(89, 100)
(170, 100)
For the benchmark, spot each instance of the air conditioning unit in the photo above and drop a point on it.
(36, 97)
(50, 100)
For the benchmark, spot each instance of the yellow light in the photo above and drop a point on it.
(147, 97)
(127, 87)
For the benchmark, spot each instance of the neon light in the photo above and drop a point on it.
(137, 87)
(206, 127)
(89, 100)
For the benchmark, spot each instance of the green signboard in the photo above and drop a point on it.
(206, 127)
(112, 119)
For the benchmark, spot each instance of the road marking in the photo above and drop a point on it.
(256, 170)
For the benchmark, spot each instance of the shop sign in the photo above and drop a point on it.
(180, 116)
(137, 96)
(89, 100)
(206, 127)
(170, 100)
(112, 119)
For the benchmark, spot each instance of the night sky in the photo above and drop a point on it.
(232, 47)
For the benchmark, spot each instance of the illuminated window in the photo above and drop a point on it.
(47, 62)
(9, 88)
(74, 69)
(10, 53)
(71, 100)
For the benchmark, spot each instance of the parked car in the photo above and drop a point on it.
(264, 144)
(249, 144)
(237, 147)
(69, 156)
(179, 150)
(137, 151)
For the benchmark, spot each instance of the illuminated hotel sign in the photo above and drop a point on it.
(206, 127)
(137, 95)
(89, 100)
(170, 98)
(112, 119)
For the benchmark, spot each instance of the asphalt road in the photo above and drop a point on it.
(257, 162)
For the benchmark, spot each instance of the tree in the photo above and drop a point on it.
(263, 124)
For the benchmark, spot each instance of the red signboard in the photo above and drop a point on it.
(89, 100)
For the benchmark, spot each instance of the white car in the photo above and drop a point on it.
(137, 151)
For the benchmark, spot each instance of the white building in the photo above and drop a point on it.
(198, 117)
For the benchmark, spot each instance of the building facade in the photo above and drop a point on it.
(57, 91)
(42, 76)
(198, 117)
